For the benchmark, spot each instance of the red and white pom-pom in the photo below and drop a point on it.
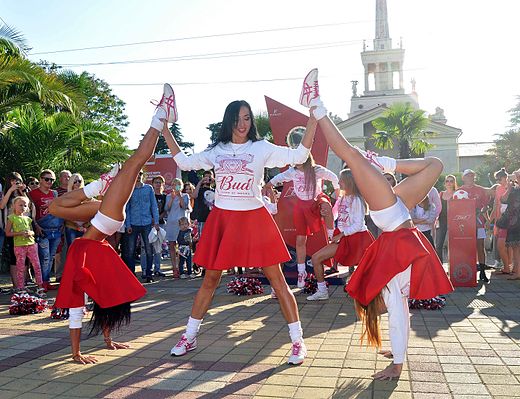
(311, 284)
(429, 304)
(23, 303)
(245, 286)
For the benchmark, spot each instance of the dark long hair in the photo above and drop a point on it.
(230, 120)
(111, 319)
(11, 176)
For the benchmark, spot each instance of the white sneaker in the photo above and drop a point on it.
(192, 275)
(301, 279)
(319, 296)
(41, 293)
(183, 276)
(384, 164)
(167, 103)
(107, 178)
(310, 88)
(183, 346)
(299, 351)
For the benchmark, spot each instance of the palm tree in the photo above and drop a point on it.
(402, 125)
(32, 141)
(23, 82)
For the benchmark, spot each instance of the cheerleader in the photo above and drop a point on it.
(231, 232)
(351, 238)
(401, 263)
(92, 266)
(311, 204)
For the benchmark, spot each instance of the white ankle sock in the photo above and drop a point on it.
(320, 111)
(322, 287)
(192, 328)
(156, 120)
(301, 268)
(93, 189)
(295, 331)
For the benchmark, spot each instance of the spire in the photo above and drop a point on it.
(381, 20)
(382, 39)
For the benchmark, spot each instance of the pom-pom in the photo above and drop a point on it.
(60, 313)
(245, 286)
(436, 303)
(311, 284)
(23, 303)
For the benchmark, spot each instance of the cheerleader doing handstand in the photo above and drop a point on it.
(92, 266)
(401, 263)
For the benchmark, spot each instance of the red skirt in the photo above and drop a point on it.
(352, 248)
(94, 268)
(240, 238)
(307, 216)
(391, 254)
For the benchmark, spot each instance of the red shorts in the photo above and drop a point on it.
(307, 217)
(351, 248)
(240, 238)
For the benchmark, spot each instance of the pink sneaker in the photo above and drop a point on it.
(106, 178)
(168, 104)
(183, 346)
(310, 89)
(298, 353)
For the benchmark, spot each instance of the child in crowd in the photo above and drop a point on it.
(184, 240)
(19, 227)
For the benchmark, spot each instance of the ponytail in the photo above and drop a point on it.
(370, 316)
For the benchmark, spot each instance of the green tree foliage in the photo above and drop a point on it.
(505, 153)
(402, 126)
(32, 141)
(515, 114)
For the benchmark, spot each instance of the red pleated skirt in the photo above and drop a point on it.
(240, 238)
(352, 248)
(307, 217)
(391, 254)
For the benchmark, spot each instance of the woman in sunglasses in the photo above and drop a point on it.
(32, 183)
(74, 229)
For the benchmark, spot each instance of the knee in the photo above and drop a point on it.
(211, 280)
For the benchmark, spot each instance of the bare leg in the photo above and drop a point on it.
(481, 252)
(326, 212)
(319, 257)
(285, 296)
(75, 337)
(70, 206)
(205, 293)
(301, 249)
(112, 345)
(516, 263)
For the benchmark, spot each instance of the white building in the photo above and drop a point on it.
(383, 86)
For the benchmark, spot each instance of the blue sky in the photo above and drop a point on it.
(462, 54)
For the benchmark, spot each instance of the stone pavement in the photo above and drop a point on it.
(470, 349)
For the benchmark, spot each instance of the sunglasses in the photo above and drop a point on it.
(449, 181)
(48, 179)
(78, 181)
(34, 183)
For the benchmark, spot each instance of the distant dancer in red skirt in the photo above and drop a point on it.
(401, 263)
(239, 229)
(311, 204)
(351, 237)
(93, 267)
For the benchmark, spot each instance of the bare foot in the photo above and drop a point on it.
(113, 345)
(393, 371)
(387, 354)
(84, 359)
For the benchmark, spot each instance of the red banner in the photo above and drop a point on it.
(462, 241)
(287, 126)
(163, 165)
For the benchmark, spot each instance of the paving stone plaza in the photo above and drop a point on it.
(469, 349)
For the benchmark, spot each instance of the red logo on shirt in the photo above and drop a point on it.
(234, 178)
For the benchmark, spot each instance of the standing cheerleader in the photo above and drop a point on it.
(351, 238)
(231, 231)
(93, 267)
(401, 263)
(310, 205)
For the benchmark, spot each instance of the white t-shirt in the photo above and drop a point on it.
(298, 179)
(395, 296)
(349, 211)
(429, 215)
(239, 169)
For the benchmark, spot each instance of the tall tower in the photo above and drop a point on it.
(383, 77)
